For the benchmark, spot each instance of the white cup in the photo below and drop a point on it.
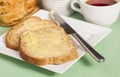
(101, 15)
(60, 6)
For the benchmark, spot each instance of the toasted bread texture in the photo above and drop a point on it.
(49, 45)
(32, 23)
(15, 11)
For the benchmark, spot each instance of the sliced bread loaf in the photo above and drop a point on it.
(32, 23)
(49, 45)
(15, 11)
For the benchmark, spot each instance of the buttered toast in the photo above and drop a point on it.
(32, 23)
(50, 45)
(41, 42)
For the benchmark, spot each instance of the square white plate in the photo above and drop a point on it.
(90, 32)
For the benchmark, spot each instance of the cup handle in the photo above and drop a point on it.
(74, 7)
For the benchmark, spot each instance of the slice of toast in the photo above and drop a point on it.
(32, 23)
(49, 45)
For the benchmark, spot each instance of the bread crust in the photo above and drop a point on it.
(49, 60)
(18, 11)
(71, 55)
(9, 44)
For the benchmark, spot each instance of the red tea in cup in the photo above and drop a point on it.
(101, 2)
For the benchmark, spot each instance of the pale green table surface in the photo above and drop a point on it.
(85, 67)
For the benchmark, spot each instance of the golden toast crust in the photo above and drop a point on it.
(49, 60)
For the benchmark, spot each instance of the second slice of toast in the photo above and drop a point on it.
(32, 23)
(49, 45)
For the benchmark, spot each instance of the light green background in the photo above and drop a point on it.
(85, 67)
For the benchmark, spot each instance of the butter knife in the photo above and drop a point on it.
(58, 20)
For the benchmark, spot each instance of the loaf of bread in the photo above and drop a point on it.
(49, 45)
(16, 11)
(32, 23)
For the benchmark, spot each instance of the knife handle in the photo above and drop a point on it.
(89, 48)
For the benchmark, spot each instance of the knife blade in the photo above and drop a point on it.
(69, 30)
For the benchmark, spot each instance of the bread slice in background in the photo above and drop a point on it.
(32, 23)
(49, 45)
(14, 11)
